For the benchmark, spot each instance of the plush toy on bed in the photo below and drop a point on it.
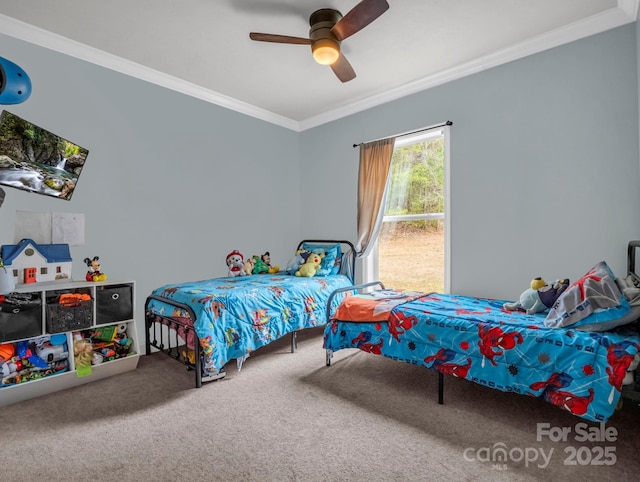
(259, 266)
(311, 266)
(299, 259)
(249, 264)
(539, 297)
(266, 258)
(235, 262)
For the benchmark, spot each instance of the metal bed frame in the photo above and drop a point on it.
(162, 331)
(631, 392)
(360, 288)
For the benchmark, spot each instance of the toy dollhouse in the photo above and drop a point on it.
(32, 262)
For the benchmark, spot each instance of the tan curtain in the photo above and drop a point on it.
(375, 160)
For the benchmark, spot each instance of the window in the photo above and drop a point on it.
(410, 251)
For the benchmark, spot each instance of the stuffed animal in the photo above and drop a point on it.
(259, 265)
(266, 258)
(249, 264)
(189, 355)
(537, 283)
(235, 262)
(539, 297)
(94, 273)
(311, 266)
(299, 259)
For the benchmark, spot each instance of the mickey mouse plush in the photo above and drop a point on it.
(94, 273)
(266, 257)
(235, 262)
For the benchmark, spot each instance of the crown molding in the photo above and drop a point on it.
(49, 40)
(625, 12)
(629, 7)
(595, 24)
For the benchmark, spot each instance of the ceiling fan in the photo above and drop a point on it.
(328, 29)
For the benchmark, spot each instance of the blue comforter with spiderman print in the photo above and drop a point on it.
(478, 340)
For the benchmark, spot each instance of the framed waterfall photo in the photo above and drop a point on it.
(35, 160)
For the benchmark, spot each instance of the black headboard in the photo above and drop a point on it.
(348, 261)
(631, 260)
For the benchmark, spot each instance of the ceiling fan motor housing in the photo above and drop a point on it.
(321, 22)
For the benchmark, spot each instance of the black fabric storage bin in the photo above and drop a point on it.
(20, 317)
(66, 317)
(113, 303)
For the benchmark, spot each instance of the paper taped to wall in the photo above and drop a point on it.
(68, 228)
(47, 228)
(35, 226)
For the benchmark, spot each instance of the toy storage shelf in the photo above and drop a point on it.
(111, 305)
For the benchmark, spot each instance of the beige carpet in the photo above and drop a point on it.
(288, 417)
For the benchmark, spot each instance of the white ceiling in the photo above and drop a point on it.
(202, 47)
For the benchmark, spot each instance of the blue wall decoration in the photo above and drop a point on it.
(15, 84)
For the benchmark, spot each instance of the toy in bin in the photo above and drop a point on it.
(53, 349)
(31, 360)
(123, 343)
(73, 299)
(23, 362)
(7, 351)
(110, 342)
(82, 350)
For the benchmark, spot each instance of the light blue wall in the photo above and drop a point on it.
(638, 64)
(544, 163)
(545, 176)
(171, 184)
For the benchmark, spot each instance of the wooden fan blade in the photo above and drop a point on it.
(343, 70)
(280, 39)
(359, 17)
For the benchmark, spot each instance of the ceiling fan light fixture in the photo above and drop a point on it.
(325, 51)
(327, 29)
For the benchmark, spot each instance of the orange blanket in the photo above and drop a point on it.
(373, 306)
